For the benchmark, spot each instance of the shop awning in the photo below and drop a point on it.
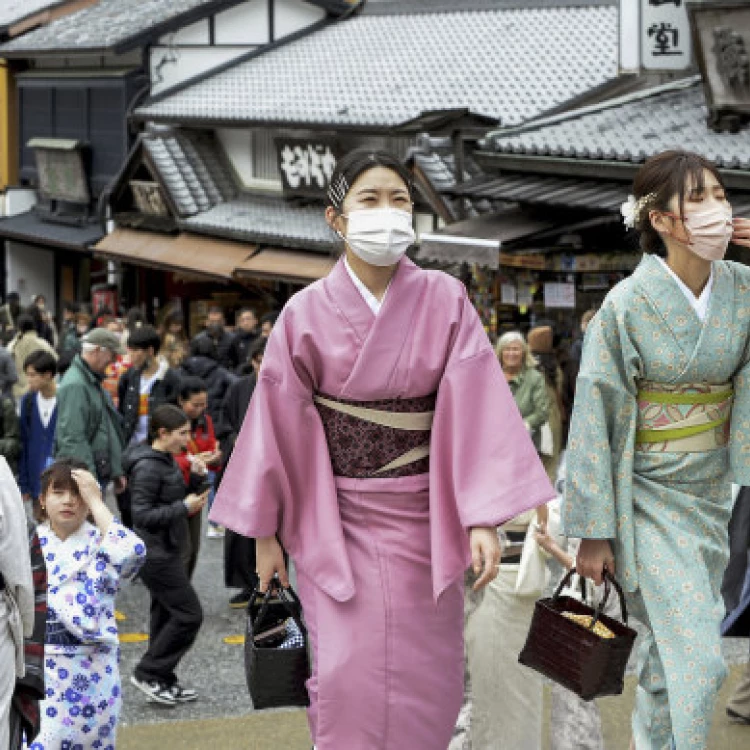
(214, 258)
(287, 265)
(204, 256)
(30, 228)
(479, 240)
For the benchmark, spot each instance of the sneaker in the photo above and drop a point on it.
(241, 600)
(156, 691)
(182, 694)
(214, 532)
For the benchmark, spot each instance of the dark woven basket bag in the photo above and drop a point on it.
(275, 676)
(573, 655)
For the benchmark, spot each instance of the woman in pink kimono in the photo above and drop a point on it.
(382, 448)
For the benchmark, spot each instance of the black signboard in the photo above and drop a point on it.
(306, 164)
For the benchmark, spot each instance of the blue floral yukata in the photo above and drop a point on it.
(81, 650)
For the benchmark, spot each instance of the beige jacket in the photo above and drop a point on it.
(20, 348)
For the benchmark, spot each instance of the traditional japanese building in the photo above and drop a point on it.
(73, 81)
(573, 169)
(277, 120)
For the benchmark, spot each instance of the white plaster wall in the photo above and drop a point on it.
(237, 143)
(246, 23)
(196, 33)
(293, 15)
(31, 271)
(630, 29)
(181, 64)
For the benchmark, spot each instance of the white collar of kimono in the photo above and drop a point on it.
(699, 304)
(372, 301)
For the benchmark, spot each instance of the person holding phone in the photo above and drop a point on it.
(161, 506)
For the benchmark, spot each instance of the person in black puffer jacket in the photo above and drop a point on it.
(217, 378)
(160, 506)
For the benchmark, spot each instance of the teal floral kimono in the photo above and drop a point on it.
(665, 508)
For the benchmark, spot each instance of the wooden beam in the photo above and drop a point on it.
(47, 16)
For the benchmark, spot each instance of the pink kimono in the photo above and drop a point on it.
(380, 559)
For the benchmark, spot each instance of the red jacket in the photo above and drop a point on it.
(202, 440)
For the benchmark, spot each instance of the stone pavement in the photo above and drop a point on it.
(224, 718)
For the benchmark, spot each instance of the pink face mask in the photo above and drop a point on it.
(710, 232)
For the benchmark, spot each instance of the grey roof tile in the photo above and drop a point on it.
(267, 220)
(192, 167)
(106, 25)
(435, 158)
(631, 130)
(384, 70)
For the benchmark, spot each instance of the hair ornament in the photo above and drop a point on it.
(337, 191)
(631, 209)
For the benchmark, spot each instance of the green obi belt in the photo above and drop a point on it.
(685, 418)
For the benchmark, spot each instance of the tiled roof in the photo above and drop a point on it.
(265, 220)
(631, 129)
(389, 7)
(380, 71)
(112, 25)
(192, 168)
(436, 161)
(13, 11)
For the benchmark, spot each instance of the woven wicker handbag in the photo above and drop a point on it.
(275, 676)
(572, 654)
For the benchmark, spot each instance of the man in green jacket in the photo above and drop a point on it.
(88, 425)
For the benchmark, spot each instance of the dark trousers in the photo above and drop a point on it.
(176, 617)
(190, 553)
(124, 507)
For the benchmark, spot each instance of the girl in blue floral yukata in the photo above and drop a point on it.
(86, 564)
(661, 425)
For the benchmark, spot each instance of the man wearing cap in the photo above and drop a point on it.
(88, 425)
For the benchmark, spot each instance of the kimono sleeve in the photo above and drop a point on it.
(279, 479)
(271, 449)
(120, 555)
(602, 427)
(482, 460)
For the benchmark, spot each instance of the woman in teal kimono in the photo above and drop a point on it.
(661, 424)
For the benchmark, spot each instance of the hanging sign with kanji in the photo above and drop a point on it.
(306, 165)
(665, 35)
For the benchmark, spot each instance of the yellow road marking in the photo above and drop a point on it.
(234, 640)
(133, 637)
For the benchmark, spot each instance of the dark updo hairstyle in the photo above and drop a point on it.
(355, 163)
(59, 476)
(166, 417)
(663, 176)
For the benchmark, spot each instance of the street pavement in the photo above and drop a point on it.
(223, 716)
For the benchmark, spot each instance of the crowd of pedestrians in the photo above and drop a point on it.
(431, 461)
(109, 404)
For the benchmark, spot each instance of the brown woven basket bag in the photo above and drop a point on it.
(572, 654)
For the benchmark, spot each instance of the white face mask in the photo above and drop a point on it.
(379, 236)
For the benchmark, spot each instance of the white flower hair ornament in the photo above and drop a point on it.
(631, 209)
